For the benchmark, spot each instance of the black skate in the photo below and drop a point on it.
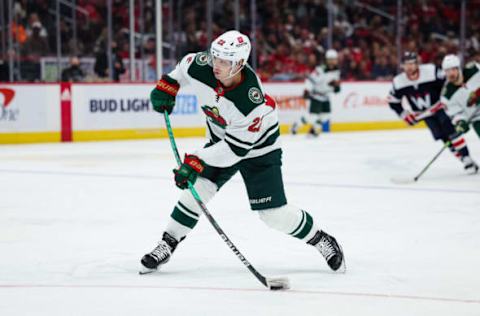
(294, 129)
(160, 255)
(330, 250)
(312, 132)
(469, 165)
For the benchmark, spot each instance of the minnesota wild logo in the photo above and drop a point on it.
(201, 59)
(214, 116)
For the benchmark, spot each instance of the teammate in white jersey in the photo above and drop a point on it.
(243, 135)
(319, 85)
(462, 94)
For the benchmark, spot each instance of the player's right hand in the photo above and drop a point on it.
(409, 118)
(188, 171)
(462, 127)
(163, 95)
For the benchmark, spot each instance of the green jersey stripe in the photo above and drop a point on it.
(239, 151)
(213, 136)
(269, 141)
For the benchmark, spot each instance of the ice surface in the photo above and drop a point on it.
(75, 219)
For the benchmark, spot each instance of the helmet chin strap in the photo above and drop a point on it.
(236, 72)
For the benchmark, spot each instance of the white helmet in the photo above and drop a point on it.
(233, 46)
(450, 61)
(331, 54)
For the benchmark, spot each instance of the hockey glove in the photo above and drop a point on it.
(191, 167)
(474, 98)
(335, 84)
(163, 96)
(462, 127)
(409, 117)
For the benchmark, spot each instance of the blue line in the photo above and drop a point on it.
(411, 188)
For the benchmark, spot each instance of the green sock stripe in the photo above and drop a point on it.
(306, 229)
(302, 222)
(183, 218)
(186, 209)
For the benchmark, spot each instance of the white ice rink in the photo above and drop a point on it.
(75, 219)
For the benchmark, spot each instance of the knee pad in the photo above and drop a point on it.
(285, 218)
(205, 188)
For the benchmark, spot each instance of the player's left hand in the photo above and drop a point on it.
(334, 83)
(474, 98)
(462, 127)
(189, 170)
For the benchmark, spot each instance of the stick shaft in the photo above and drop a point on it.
(205, 211)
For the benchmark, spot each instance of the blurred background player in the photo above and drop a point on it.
(322, 82)
(422, 85)
(243, 136)
(462, 93)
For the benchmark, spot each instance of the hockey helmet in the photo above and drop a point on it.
(233, 46)
(409, 57)
(331, 54)
(450, 61)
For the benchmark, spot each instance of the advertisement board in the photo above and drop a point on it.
(29, 111)
(106, 111)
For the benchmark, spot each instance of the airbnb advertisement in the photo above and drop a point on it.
(29, 108)
(356, 102)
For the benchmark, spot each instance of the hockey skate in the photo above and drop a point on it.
(329, 248)
(469, 165)
(313, 132)
(294, 129)
(160, 255)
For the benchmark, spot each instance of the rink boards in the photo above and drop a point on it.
(106, 111)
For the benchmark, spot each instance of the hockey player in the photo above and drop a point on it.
(422, 85)
(243, 136)
(319, 85)
(462, 93)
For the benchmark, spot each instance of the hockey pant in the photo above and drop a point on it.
(287, 218)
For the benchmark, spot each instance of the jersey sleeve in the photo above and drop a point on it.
(395, 101)
(456, 106)
(179, 73)
(439, 73)
(258, 128)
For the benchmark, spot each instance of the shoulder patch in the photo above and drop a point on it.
(248, 95)
(255, 95)
(201, 59)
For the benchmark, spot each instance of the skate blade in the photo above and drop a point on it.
(278, 284)
(144, 271)
(402, 180)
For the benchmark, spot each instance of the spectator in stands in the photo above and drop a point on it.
(381, 70)
(101, 64)
(32, 50)
(4, 71)
(73, 73)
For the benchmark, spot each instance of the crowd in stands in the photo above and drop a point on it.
(291, 35)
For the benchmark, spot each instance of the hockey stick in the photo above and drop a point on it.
(270, 283)
(445, 146)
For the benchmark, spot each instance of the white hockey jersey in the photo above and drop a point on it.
(456, 97)
(242, 121)
(318, 82)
